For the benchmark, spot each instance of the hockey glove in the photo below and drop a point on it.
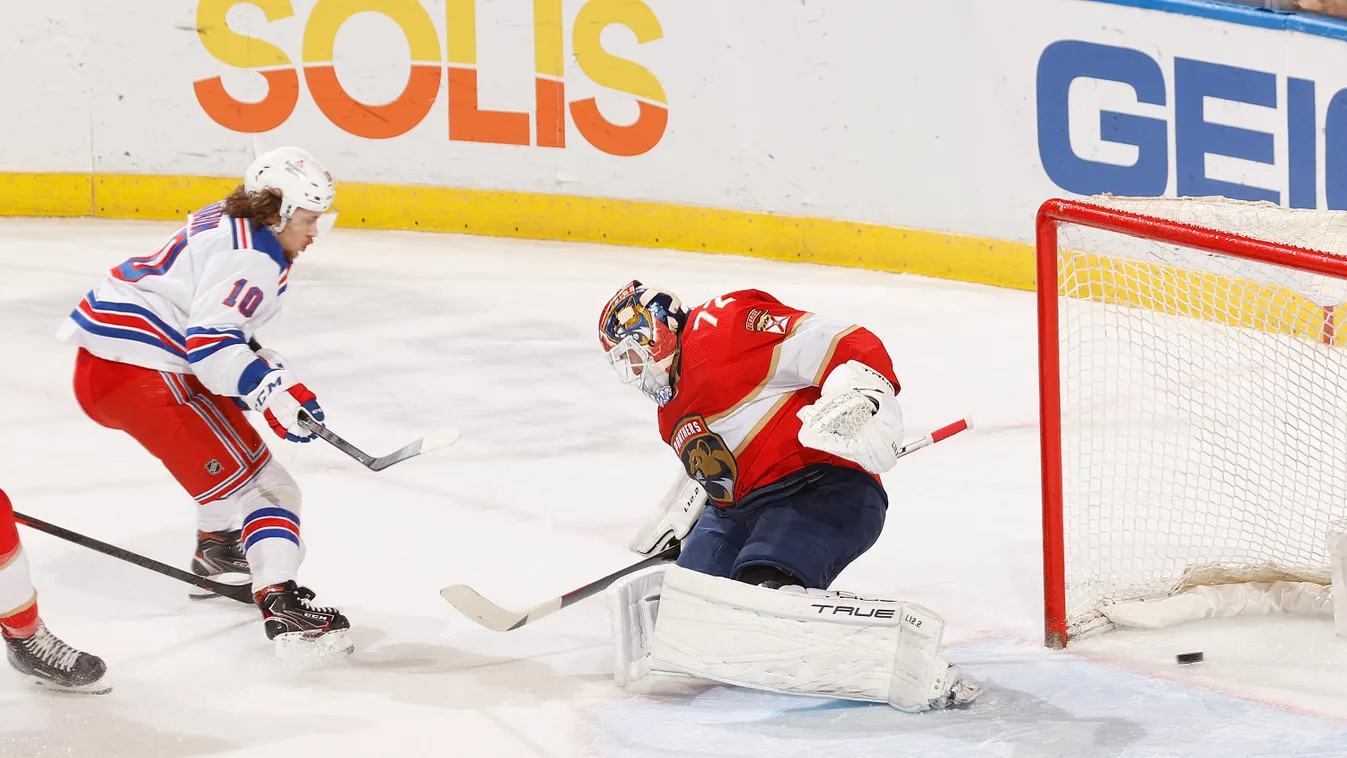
(857, 417)
(279, 398)
(672, 519)
(269, 357)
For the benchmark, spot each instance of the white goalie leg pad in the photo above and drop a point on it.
(633, 605)
(808, 643)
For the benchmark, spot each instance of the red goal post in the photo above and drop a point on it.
(1177, 330)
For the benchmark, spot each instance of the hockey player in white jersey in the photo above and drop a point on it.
(164, 356)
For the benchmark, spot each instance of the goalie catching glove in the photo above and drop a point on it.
(856, 417)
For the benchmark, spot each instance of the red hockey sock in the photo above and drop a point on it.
(22, 623)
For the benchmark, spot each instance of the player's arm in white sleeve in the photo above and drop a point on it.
(217, 343)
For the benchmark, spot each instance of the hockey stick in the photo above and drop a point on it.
(240, 592)
(496, 618)
(471, 604)
(415, 448)
(943, 433)
(439, 440)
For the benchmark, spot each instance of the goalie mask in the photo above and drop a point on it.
(639, 331)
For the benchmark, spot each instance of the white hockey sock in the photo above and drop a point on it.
(16, 584)
(271, 527)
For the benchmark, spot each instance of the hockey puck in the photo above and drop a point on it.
(1185, 659)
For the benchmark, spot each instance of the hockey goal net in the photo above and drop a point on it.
(1193, 364)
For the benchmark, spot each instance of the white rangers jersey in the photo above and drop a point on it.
(191, 306)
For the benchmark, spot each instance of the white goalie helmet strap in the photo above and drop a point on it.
(302, 180)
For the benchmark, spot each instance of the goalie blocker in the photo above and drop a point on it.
(807, 642)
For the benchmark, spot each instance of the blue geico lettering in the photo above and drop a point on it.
(1194, 137)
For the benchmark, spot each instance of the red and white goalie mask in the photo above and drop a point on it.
(639, 331)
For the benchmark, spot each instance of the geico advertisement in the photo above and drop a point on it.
(337, 42)
(1152, 115)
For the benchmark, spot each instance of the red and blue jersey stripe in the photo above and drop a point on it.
(203, 342)
(243, 233)
(128, 322)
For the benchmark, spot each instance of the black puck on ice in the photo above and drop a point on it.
(1187, 658)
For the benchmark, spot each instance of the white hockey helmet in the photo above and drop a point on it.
(302, 180)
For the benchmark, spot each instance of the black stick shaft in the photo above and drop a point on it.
(576, 595)
(241, 593)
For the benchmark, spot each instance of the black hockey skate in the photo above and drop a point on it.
(51, 663)
(291, 617)
(220, 556)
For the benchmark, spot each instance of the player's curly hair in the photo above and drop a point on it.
(258, 207)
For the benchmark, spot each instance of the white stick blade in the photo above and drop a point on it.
(479, 609)
(438, 439)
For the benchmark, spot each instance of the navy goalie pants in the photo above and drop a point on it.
(811, 525)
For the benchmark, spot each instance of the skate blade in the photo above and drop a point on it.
(312, 647)
(100, 687)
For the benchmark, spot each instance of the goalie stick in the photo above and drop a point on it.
(240, 592)
(492, 616)
(470, 603)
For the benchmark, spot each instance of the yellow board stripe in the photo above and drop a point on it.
(710, 230)
(1218, 298)
(556, 217)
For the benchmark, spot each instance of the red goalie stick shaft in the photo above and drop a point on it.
(943, 433)
(471, 603)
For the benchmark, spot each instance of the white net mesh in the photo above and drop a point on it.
(1204, 405)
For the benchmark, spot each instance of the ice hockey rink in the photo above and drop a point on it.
(400, 333)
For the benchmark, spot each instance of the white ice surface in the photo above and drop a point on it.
(399, 333)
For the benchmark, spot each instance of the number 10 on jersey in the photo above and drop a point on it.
(248, 305)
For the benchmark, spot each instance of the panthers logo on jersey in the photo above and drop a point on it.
(706, 458)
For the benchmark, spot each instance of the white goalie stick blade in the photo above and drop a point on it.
(471, 604)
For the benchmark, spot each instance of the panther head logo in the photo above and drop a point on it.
(706, 459)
